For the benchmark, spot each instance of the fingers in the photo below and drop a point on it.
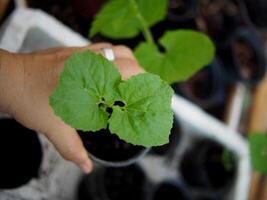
(120, 51)
(128, 68)
(124, 52)
(99, 46)
(92, 47)
(62, 53)
(124, 60)
(69, 144)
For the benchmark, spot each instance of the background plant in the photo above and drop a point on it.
(185, 51)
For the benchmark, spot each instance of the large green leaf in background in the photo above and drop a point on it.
(186, 52)
(258, 151)
(89, 84)
(120, 19)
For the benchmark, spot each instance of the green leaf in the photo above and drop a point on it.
(120, 19)
(89, 84)
(117, 19)
(153, 11)
(85, 80)
(186, 52)
(258, 151)
(147, 117)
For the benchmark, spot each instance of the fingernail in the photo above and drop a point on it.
(85, 167)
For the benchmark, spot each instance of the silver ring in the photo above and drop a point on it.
(108, 54)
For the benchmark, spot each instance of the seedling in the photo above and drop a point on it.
(91, 95)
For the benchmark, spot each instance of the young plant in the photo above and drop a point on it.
(258, 151)
(185, 51)
(91, 95)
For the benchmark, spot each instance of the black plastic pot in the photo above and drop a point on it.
(203, 167)
(109, 150)
(219, 18)
(244, 57)
(209, 197)
(171, 190)
(169, 149)
(256, 10)
(206, 88)
(181, 10)
(114, 184)
(20, 153)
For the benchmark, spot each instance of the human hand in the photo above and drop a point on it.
(26, 82)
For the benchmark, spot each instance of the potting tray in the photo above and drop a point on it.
(28, 30)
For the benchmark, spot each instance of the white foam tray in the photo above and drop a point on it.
(15, 37)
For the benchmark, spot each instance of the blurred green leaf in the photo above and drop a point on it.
(186, 52)
(258, 151)
(120, 19)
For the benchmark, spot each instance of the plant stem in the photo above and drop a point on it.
(146, 31)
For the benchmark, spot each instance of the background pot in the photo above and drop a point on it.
(256, 10)
(114, 184)
(244, 57)
(209, 197)
(206, 88)
(109, 150)
(181, 10)
(20, 153)
(171, 190)
(219, 18)
(203, 167)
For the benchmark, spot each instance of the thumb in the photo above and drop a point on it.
(69, 145)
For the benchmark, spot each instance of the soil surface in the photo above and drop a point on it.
(106, 146)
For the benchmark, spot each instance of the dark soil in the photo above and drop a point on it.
(20, 153)
(106, 146)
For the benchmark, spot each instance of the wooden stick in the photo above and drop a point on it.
(258, 123)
